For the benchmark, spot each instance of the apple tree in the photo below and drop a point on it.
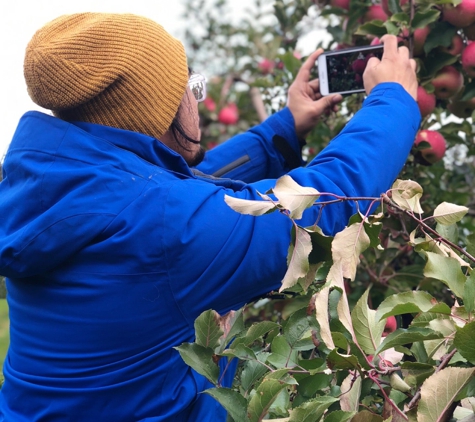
(385, 332)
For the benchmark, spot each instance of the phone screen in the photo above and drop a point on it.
(344, 69)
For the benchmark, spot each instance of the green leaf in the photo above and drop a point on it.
(433, 63)
(441, 34)
(337, 360)
(376, 28)
(298, 264)
(207, 329)
(282, 375)
(282, 356)
(373, 231)
(399, 17)
(471, 244)
(422, 19)
(450, 232)
(397, 383)
(248, 206)
(447, 270)
(447, 214)
(439, 392)
(469, 293)
(200, 359)
(436, 349)
(416, 372)
(404, 336)
(263, 398)
(321, 246)
(296, 326)
(281, 405)
(339, 416)
(255, 331)
(241, 352)
(408, 303)
(294, 197)
(424, 319)
(252, 372)
(234, 403)
(394, 6)
(311, 410)
(392, 28)
(368, 332)
(310, 385)
(464, 341)
(469, 91)
(291, 63)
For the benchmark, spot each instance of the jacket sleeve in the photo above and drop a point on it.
(265, 151)
(366, 157)
(233, 258)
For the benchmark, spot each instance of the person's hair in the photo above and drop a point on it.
(177, 129)
(179, 133)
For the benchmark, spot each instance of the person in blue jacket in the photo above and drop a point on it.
(114, 237)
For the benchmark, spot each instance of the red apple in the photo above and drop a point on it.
(209, 103)
(461, 15)
(390, 326)
(447, 82)
(425, 101)
(437, 147)
(420, 36)
(468, 59)
(456, 46)
(342, 46)
(375, 11)
(359, 66)
(229, 115)
(385, 5)
(266, 66)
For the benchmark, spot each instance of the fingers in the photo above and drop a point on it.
(308, 65)
(330, 101)
(404, 52)
(390, 46)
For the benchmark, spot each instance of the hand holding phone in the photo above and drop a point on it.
(305, 101)
(341, 71)
(395, 66)
(360, 69)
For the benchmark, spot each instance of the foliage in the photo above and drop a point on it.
(319, 349)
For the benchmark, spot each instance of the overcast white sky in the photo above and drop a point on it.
(19, 19)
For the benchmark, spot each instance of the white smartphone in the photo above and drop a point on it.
(341, 71)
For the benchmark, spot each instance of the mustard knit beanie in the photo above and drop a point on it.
(118, 70)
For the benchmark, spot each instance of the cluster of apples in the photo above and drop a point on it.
(447, 85)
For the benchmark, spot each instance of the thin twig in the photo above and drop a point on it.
(443, 363)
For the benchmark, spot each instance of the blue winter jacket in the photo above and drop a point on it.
(112, 247)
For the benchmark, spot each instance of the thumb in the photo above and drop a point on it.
(328, 102)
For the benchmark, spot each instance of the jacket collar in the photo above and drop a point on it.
(146, 147)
